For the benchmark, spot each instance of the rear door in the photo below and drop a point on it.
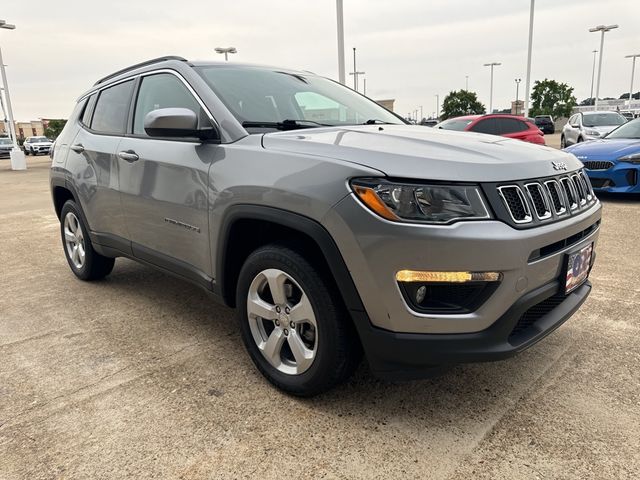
(512, 128)
(92, 157)
(164, 182)
(485, 125)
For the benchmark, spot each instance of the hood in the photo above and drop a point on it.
(604, 149)
(413, 151)
(602, 129)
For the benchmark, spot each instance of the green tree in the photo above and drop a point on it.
(461, 102)
(54, 127)
(549, 97)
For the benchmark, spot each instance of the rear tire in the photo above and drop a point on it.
(84, 261)
(580, 140)
(563, 142)
(300, 337)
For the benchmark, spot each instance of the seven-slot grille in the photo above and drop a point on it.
(547, 198)
(598, 165)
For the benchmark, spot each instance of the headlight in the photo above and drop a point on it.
(594, 133)
(435, 204)
(632, 158)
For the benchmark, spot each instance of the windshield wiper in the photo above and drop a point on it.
(375, 121)
(287, 124)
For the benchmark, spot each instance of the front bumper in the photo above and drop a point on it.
(404, 356)
(622, 177)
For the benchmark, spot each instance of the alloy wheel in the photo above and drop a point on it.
(282, 321)
(74, 240)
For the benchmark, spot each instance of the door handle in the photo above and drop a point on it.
(78, 148)
(128, 156)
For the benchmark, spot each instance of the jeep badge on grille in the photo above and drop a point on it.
(559, 165)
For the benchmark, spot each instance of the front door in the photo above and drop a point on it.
(163, 183)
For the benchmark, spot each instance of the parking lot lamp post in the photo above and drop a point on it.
(226, 51)
(633, 68)
(340, 27)
(593, 72)
(527, 86)
(18, 161)
(518, 80)
(466, 83)
(437, 106)
(421, 116)
(492, 64)
(602, 29)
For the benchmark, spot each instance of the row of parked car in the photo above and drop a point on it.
(608, 143)
(32, 146)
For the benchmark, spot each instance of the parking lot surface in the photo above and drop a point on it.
(143, 376)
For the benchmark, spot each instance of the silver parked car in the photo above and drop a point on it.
(585, 126)
(37, 145)
(6, 145)
(329, 223)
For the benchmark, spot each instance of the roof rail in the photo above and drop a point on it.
(139, 65)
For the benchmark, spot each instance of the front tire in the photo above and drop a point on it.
(293, 323)
(563, 142)
(84, 261)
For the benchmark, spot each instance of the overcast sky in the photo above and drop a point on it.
(411, 50)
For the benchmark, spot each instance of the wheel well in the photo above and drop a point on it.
(60, 197)
(247, 235)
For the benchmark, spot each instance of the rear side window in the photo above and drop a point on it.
(487, 125)
(510, 125)
(88, 110)
(112, 108)
(163, 90)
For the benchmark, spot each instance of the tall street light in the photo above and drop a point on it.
(518, 80)
(466, 83)
(633, 68)
(602, 29)
(18, 161)
(226, 51)
(527, 87)
(340, 26)
(437, 106)
(492, 64)
(593, 72)
(355, 72)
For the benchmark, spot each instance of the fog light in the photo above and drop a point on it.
(420, 293)
(447, 277)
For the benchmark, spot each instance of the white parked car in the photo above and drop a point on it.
(589, 126)
(37, 145)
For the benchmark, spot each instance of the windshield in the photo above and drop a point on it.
(628, 130)
(39, 140)
(454, 124)
(602, 119)
(5, 141)
(261, 97)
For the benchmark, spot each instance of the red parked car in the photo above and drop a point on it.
(504, 125)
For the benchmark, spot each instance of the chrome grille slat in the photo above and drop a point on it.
(582, 195)
(556, 196)
(569, 192)
(516, 203)
(538, 200)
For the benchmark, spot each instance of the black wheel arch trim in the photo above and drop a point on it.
(294, 221)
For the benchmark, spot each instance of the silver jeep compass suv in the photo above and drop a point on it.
(334, 227)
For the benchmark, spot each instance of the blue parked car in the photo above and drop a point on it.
(613, 162)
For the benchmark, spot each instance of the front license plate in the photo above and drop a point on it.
(578, 266)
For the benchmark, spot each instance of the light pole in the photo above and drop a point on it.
(437, 106)
(466, 83)
(633, 68)
(527, 86)
(593, 72)
(18, 161)
(355, 72)
(518, 80)
(364, 87)
(226, 51)
(421, 116)
(340, 26)
(602, 29)
(492, 64)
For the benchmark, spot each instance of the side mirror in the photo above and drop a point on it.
(176, 123)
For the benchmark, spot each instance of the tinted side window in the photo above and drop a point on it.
(88, 110)
(510, 125)
(112, 108)
(485, 126)
(161, 91)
